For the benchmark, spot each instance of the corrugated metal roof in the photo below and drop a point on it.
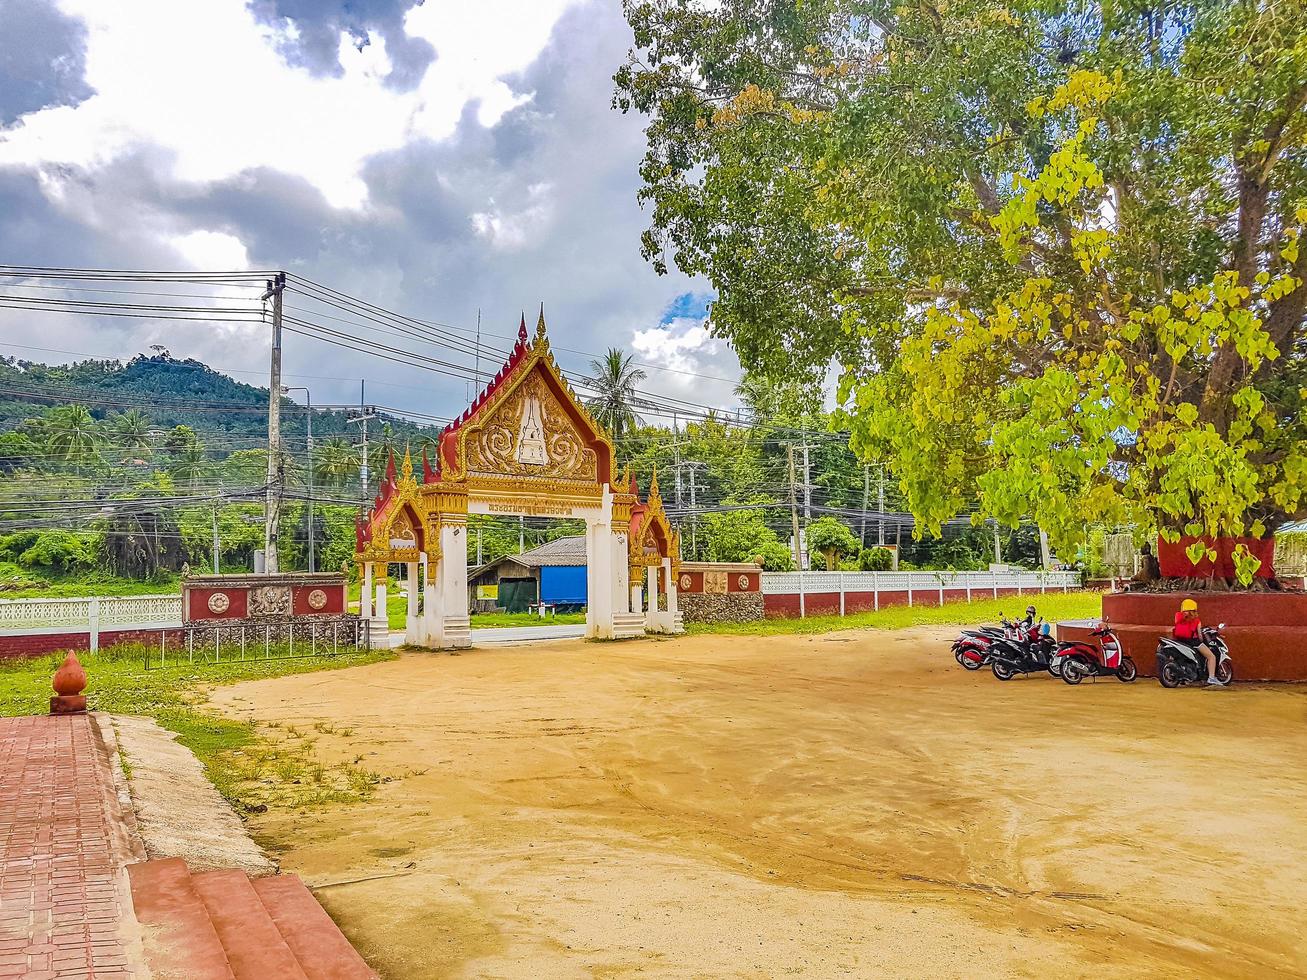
(560, 551)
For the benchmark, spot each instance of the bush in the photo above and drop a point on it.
(775, 557)
(875, 560)
(61, 550)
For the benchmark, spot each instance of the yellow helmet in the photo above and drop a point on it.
(1188, 606)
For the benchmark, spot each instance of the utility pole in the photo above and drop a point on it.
(478, 545)
(272, 508)
(694, 514)
(217, 550)
(880, 504)
(521, 534)
(807, 488)
(866, 493)
(308, 401)
(794, 509)
(998, 551)
(365, 413)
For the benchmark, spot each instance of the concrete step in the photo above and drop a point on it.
(320, 947)
(254, 946)
(180, 940)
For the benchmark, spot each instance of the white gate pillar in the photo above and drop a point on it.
(455, 628)
(672, 612)
(599, 571)
(620, 573)
(365, 592)
(412, 583)
(652, 619)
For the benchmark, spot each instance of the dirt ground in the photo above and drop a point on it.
(844, 805)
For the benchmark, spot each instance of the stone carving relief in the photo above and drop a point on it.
(270, 600)
(219, 603)
(317, 599)
(714, 582)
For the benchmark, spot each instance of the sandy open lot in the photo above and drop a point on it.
(843, 805)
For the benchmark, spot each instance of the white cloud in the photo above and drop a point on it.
(211, 250)
(202, 81)
(682, 344)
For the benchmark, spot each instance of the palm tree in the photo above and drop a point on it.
(189, 463)
(335, 462)
(385, 444)
(72, 433)
(614, 379)
(131, 432)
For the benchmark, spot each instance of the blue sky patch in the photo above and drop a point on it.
(687, 305)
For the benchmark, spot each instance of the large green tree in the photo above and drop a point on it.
(1053, 244)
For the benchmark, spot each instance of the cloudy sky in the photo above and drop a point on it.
(433, 158)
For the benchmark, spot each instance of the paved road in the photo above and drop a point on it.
(523, 634)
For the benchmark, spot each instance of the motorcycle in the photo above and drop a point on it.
(1024, 650)
(971, 648)
(1179, 663)
(1079, 659)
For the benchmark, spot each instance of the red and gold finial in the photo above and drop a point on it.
(521, 331)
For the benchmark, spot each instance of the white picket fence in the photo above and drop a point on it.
(92, 614)
(932, 584)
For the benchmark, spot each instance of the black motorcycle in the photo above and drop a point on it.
(1180, 663)
(1025, 650)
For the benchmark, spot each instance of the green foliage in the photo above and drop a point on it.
(1054, 246)
(832, 540)
(743, 535)
(875, 560)
(50, 550)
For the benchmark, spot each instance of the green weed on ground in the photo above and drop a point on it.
(484, 620)
(1053, 606)
(252, 767)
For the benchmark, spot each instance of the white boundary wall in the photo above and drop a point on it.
(93, 614)
(930, 586)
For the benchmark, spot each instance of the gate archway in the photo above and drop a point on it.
(525, 446)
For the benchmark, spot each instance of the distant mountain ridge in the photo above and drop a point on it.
(172, 392)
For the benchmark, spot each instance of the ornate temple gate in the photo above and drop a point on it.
(526, 446)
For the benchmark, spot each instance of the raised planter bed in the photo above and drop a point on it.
(1267, 631)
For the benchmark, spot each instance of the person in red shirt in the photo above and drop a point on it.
(1188, 629)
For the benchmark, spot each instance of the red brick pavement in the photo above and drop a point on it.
(64, 907)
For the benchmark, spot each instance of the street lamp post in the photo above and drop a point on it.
(308, 402)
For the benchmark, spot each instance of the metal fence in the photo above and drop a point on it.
(247, 641)
(927, 584)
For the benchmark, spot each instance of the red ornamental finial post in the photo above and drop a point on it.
(69, 682)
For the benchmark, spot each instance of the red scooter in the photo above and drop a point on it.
(1079, 659)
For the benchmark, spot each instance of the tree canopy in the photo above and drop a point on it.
(1052, 244)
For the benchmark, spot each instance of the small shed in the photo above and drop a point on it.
(554, 573)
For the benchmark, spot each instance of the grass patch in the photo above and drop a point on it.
(252, 767)
(481, 620)
(17, 582)
(1052, 606)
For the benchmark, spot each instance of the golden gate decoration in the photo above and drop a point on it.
(525, 446)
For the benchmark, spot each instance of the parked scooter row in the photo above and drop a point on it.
(1026, 647)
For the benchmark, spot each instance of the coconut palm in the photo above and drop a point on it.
(613, 378)
(335, 462)
(189, 464)
(131, 434)
(72, 433)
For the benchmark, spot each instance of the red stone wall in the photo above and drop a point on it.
(198, 600)
(1174, 563)
(35, 645)
(1265, 630)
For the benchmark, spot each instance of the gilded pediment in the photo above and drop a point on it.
(529, 433)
